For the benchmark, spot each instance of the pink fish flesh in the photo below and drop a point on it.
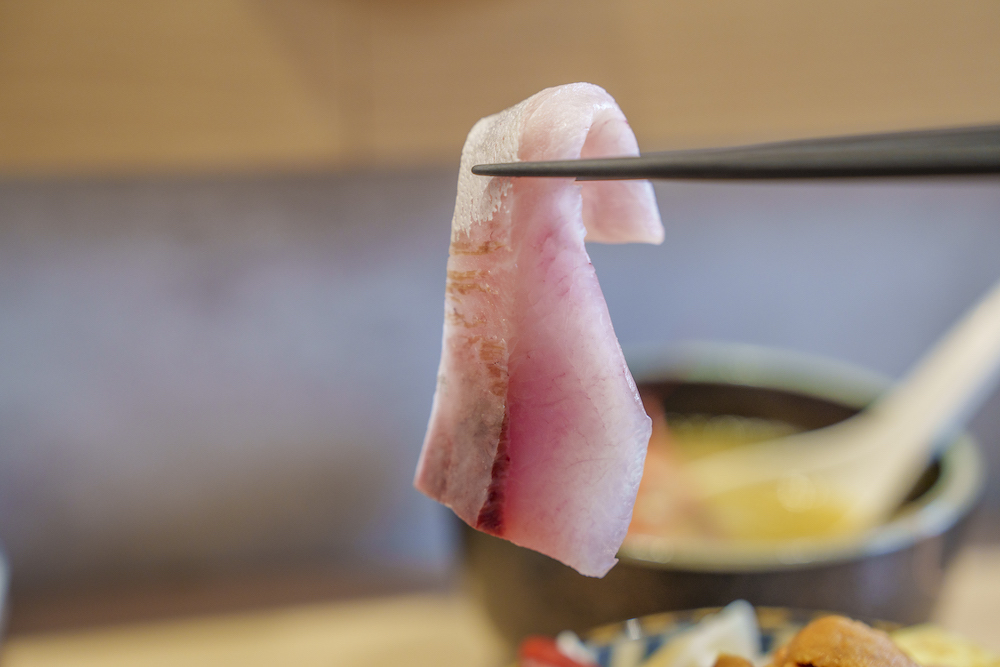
(537, 433)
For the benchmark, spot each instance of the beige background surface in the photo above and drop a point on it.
(124, 85)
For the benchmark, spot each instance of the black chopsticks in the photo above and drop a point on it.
(942, 152)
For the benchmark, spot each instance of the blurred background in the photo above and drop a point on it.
(223, 233)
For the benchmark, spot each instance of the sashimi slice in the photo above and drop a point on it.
(537, 433)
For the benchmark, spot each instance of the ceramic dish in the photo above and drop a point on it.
(777, 626)
(893, 572)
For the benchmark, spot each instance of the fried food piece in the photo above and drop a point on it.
(835, 641)
(729, 660)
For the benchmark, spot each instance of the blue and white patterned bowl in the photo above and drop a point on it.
(649, 633)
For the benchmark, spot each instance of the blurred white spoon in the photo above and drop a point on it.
(871, 461)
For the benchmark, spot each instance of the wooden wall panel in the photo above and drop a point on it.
(739, 71)
(195, 85)
(112, 85)
(441, 66)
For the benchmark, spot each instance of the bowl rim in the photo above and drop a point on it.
(953, 495)
(771, 619)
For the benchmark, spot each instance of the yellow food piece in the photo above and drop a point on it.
(931, 646)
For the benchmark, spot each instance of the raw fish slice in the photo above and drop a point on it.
(537, 433)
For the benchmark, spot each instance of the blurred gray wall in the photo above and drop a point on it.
(200, 373)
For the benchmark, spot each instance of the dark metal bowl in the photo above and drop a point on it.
(894, 572)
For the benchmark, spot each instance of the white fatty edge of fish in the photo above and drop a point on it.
(493, 139)
(497, 139)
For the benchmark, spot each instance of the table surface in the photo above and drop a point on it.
(412, 630)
